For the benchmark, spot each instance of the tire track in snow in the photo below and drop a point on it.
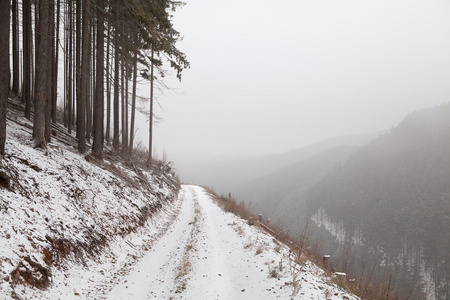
(223, 268)
(154, 275)
(210, 276)
(219, 265)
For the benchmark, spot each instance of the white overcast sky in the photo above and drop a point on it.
(270, 76)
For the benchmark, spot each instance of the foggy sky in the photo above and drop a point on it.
(270, 76)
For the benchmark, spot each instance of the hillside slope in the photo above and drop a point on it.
(386, 206)
(393, 199)
(280, 195)
(61, 215)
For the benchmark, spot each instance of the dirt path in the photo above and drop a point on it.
(200, 257)
(155, 272)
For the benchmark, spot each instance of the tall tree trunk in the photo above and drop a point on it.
(124, 108)
(35, 52)
(5, 7)
(90, 112)
(15, 45)
(79, 36)
(50, 83)
(42, 61)
(27, 52)
(150, 131)
(75, 89)
(122, 98)
(65, 63)
(55, 64)
(108, 91)
(116, 92)
(70, 70)
(84, 80)
(133, 102)
(97, 144)
(89, 85)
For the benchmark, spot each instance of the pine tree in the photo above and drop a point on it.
(133, 101)
(42, 62)
(135, 24)
(4, 69)
(97, 146)
(84, 78)
(55, 62)
(51, 96)
(150, 128)
(27, 58)
(15, 45)
(116, 91)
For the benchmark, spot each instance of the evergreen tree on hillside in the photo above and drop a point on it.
(131, 28)
(98, 118)
(42, 61)
(4, 69)
(395, 192)
(27, 61)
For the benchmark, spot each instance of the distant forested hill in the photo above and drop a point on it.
(393, 200)
(280, 195)
(227, 173)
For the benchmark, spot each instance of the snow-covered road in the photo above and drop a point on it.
(211, 254)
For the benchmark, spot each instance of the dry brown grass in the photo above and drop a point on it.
(274, 271)
(239, 230)
(230, 204)
(31, 273)
(184, 268)
(259, 249)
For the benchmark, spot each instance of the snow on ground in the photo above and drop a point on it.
(70, 227)
(81, 230)
(211, 254)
